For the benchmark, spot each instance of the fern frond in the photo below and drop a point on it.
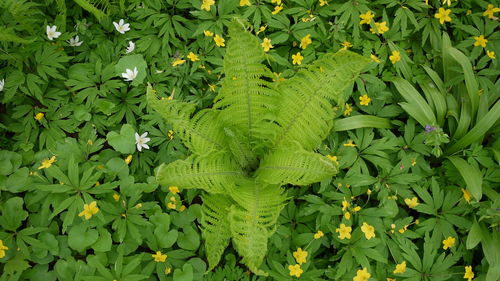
(99, 8)
(215, 225)
(253, 220)
(200, 133)
(294, 165)
(245, 96)
(305, 115)
(214, 173)
(8, 35)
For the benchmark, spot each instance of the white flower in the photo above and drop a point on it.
(141, 141)
(130, 75)
(121, 26)
(2, 82)
(131, 47)
(75, 42)
(52, 33)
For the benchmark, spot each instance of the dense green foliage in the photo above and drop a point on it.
(414, 140)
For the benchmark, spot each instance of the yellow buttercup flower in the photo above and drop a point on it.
(171, 205)
(480, 41)
(467, 195)
(219, 41)
(173, 189)
(380, 28)
(297, 58)
(490, 11)
(318, 234)
(212, 87)
(347, 215)
(395, 57)
(448, 243)
(350, 143)
(182, 208)
(295, 270)
(366, 18)
(333, 158)
(323, 3)
(89, 210)
(347, 110)
(245, 3)
(266, 44)
(344, 231)
(345, 205)
(346, 45)
(375, 58)
(491, 54)
(193, 57)
(178, 61)
(47, 163)
(364, 100)
(368, 230)
(362, 275)
(305, 41)
(400, 268)
(300, 256)
(116, 197)
(39, 116)
(277, 9)
(412, 203)
(261, 29)
(208, 33)
(159, 257)
(167, 271)
(468, 273)
(128, 159)
(443, 15)
(277, 2)
(2, 249)
(205, 5)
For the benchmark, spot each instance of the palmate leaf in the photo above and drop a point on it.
(306, 114)
(215, 224)
(294, 165)
(214, 173)
(253, 220)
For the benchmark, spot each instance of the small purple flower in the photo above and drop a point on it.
(429, 128)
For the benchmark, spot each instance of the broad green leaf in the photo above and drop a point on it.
(471, 175)
(123, 142)
(360, 121)
(13, 213)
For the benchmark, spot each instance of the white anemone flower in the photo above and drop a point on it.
(2, 82)
(131, 47)
(121, 26)
(141, 141)
(130, 75)
(75, 42)
(52, 33)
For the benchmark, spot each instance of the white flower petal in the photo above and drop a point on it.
(137, 137)
(144, 135)
(145, 146)
(139, 147)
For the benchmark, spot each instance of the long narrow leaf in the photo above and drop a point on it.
(471, 175)
(361, 121)
(420, 110)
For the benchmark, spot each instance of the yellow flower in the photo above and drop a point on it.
(323, 3)
(159, 257)
(395, 57)
(412, 203)
(491, 54)
(443, 15)
(346, 45)
(266, 44)
(345, 205)
(178, 61)
(168, 270)
(300, 256)
(277, 2)
(490, 10)
(192, 56)
(366, 17)
(212, 87)
(277, 9)
(128, 159)
(2, 249)
(413, 161)
(305, 41)
(362, 275)
(318, 234)
(347, 215)
(245, 3)
(47, 163)
(170, 133)
(347, 110)
(448, 242)
(344, 231)
(467, 195)
(295, 270)
(171, 205)
(380, 28)
(89, 210)
(297, 58)
(480, 41)
(375, 58)
(468, 273)
(219, 41)
(261, 29)
(447, 1)
(364, 100)
(206, 5)
(182, 208)
(39, 116)
(116, 196)
(173, 189)
(172, 198)
(208, 33)
(333, 158)
(139, 205)
(368, 230)
(400, 268)
(349, 143)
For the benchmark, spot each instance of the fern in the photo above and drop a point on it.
(258, 137)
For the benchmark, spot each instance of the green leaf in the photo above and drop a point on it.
(129, 62)
(123, 142)
(188, 239)
(474, 236)
(417, 107)
(80, 238)
(13, 213)
(186, 274)
(471, 175)
(361, 121)
(103, 243)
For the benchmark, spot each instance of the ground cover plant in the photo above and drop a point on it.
(101, 103)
